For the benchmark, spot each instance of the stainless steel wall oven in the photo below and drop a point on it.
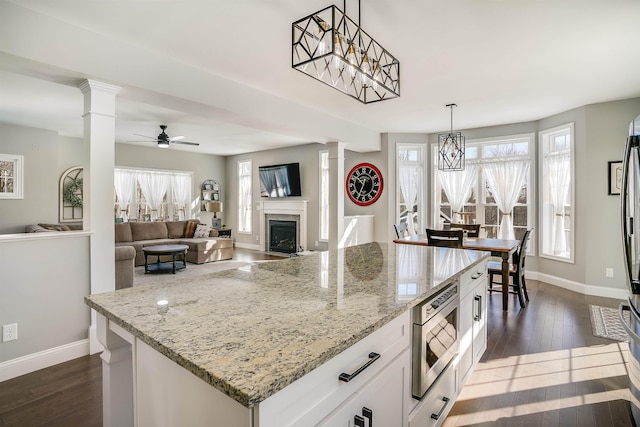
(435, 337)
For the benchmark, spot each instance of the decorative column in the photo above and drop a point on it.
(99, 132)
(336, 194)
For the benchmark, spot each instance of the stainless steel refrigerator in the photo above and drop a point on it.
(630, 201)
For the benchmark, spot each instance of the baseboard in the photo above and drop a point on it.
(43, 359)
(249, 246)
(598, 291)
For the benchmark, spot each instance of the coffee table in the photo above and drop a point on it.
(160, 250)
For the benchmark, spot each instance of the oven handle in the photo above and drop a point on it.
(622, 308)
(439, 414)
(344, 377)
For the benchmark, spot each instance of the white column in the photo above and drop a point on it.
(99, 132)
(336, 194)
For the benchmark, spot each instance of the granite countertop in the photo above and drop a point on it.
(250, 332)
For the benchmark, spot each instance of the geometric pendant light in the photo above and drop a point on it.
(451, 148)
(330, 47)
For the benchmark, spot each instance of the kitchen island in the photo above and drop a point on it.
(232, 348)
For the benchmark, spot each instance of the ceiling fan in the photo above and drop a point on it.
(164, 140)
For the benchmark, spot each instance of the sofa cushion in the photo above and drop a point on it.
(191, 228)
(149, 230)
(123, 232)
(175, 229)
(205, 245)
(201, 231)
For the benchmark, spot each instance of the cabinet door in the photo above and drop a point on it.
(479, 321)
(465, 361)
(384, 396)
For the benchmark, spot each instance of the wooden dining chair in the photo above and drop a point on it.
(518, 284)
(446, 238)
(473, 230)
(401, 230)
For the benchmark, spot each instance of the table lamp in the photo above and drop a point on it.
(215, 207)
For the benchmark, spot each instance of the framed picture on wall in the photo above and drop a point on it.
(11, 176)
(615, 178)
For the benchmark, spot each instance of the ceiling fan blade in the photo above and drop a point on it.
(143, 141)
(153, 138)
(176, 138)
(185, 143)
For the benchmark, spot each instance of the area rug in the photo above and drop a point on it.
(192, 272)
(606, 323)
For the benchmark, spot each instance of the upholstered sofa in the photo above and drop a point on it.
(201, 249)
(124, 266)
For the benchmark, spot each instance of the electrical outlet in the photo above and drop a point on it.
(609, 272)
(10, 332)
(316, 243)
(257, 238)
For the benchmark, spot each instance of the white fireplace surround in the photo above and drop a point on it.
(284, 207)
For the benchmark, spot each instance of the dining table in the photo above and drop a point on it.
(504, 248)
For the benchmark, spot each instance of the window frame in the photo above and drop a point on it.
(480, 189)
(544, 137)
(241, 202)
(421, 211)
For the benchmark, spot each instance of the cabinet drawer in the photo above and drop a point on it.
(471, 277)
(382, 399)
(437, 403)
(308, 400)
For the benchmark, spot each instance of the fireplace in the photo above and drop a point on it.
(283, 236)
(293, 212)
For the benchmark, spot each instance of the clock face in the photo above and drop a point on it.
(364, 184)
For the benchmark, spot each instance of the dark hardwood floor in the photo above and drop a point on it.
(542, 367)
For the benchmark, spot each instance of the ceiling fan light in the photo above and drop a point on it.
(163, 144)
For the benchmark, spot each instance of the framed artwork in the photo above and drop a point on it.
(11, 176)
(615, 177)
(146, 217)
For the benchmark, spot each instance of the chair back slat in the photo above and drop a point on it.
(473, 230)
(445, 238)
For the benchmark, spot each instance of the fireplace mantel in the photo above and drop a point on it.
(284, 207)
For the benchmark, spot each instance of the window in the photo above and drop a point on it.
(153, 194)
(244, 196)
(494, 190)
(556, 193)
(410, 187)
(324, 195)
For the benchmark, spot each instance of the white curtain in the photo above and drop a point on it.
(409, 177)
(182, 194)
(559, 180)
(154, 187)
(458, 186)
(244, 205)
(505, 180)
(124, 182)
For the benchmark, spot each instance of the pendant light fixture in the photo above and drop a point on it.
(451, 148)
(330, 47)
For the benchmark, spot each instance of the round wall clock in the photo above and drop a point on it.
(364, 184)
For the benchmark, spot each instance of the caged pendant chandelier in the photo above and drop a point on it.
(330, 47)
(451, 148)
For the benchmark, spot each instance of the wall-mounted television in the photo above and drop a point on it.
(280, 180)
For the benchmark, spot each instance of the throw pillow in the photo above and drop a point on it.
(190, 229)
(202, 231)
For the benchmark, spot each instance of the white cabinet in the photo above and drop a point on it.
(382, 399)
(473, 319)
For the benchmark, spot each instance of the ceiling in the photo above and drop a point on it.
(219, 73)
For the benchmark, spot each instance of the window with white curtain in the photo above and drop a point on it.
(244, 196)
(162, 195)
(324, 195)
(410, 167)
(556, 193)
(494, 190)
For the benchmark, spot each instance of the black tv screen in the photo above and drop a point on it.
(280, 180)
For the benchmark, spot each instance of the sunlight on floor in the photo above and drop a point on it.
(509, 379)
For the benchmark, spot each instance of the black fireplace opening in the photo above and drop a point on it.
(282, 236)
